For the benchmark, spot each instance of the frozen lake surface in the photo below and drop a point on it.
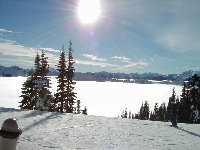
(101, 98)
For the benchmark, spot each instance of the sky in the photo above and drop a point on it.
(160, 36)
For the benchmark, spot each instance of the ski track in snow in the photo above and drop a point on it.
(60, 131)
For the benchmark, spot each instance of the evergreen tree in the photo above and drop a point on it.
(35, 92)
(184, 109)
(84, 111)
(155, 115)
(141, 114)
(146, 110)
(44, 67)
(124, 113)
(193, 98)
(29, 91)
(71, 95)
(60, 100)
(45, 96)
(65, 97)
(27, 101)
(162, 110)
(78, 107)
(172, 99)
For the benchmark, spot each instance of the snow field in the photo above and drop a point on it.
(61, 131)
(101, 98)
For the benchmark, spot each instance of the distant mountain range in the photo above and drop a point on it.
(106, 76)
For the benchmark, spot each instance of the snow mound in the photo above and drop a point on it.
(60, 131)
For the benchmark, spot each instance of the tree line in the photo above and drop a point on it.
(187, 107)
(36, 93)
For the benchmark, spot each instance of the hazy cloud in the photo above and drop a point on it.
(20, 52)
(4, 30)
(123, 59)
(95, 58)
(93, 63)
(13, 49)
(133, 65)
(50, 50)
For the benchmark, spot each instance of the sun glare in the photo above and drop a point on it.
(89, 11)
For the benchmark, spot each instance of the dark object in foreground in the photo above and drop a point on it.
(174, 114)
(9, 134)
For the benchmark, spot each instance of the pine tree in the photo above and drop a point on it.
(37, 65)
(35, 92)
(141, 113)
(27, 95)
(65, 97)
(172, 99)
(45, 96)
(193, 96)
(44, 67)
(60, 101)
(78, 107)
(124, 113)
(184, 109)
(162, 112)
(84, 111)
(29, 91)
(155, 113)
(146, 110)
(71, 95)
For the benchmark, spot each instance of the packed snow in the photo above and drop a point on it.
(60, 131)
(101, 98)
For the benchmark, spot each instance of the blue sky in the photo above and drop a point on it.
(130, 36)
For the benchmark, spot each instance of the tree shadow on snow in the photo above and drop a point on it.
(189, 132)
(3, 110)
(42, 120)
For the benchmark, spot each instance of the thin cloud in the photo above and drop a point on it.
(50, 50)
(123, 59)
(10, 48)
(4, 30)
(95, 58)
(133, 65)
(93, 63)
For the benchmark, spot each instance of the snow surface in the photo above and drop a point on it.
(60, 131)
(112, 97)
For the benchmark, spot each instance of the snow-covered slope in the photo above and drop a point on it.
(59, 131)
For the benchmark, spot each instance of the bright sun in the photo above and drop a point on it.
(89, 11)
